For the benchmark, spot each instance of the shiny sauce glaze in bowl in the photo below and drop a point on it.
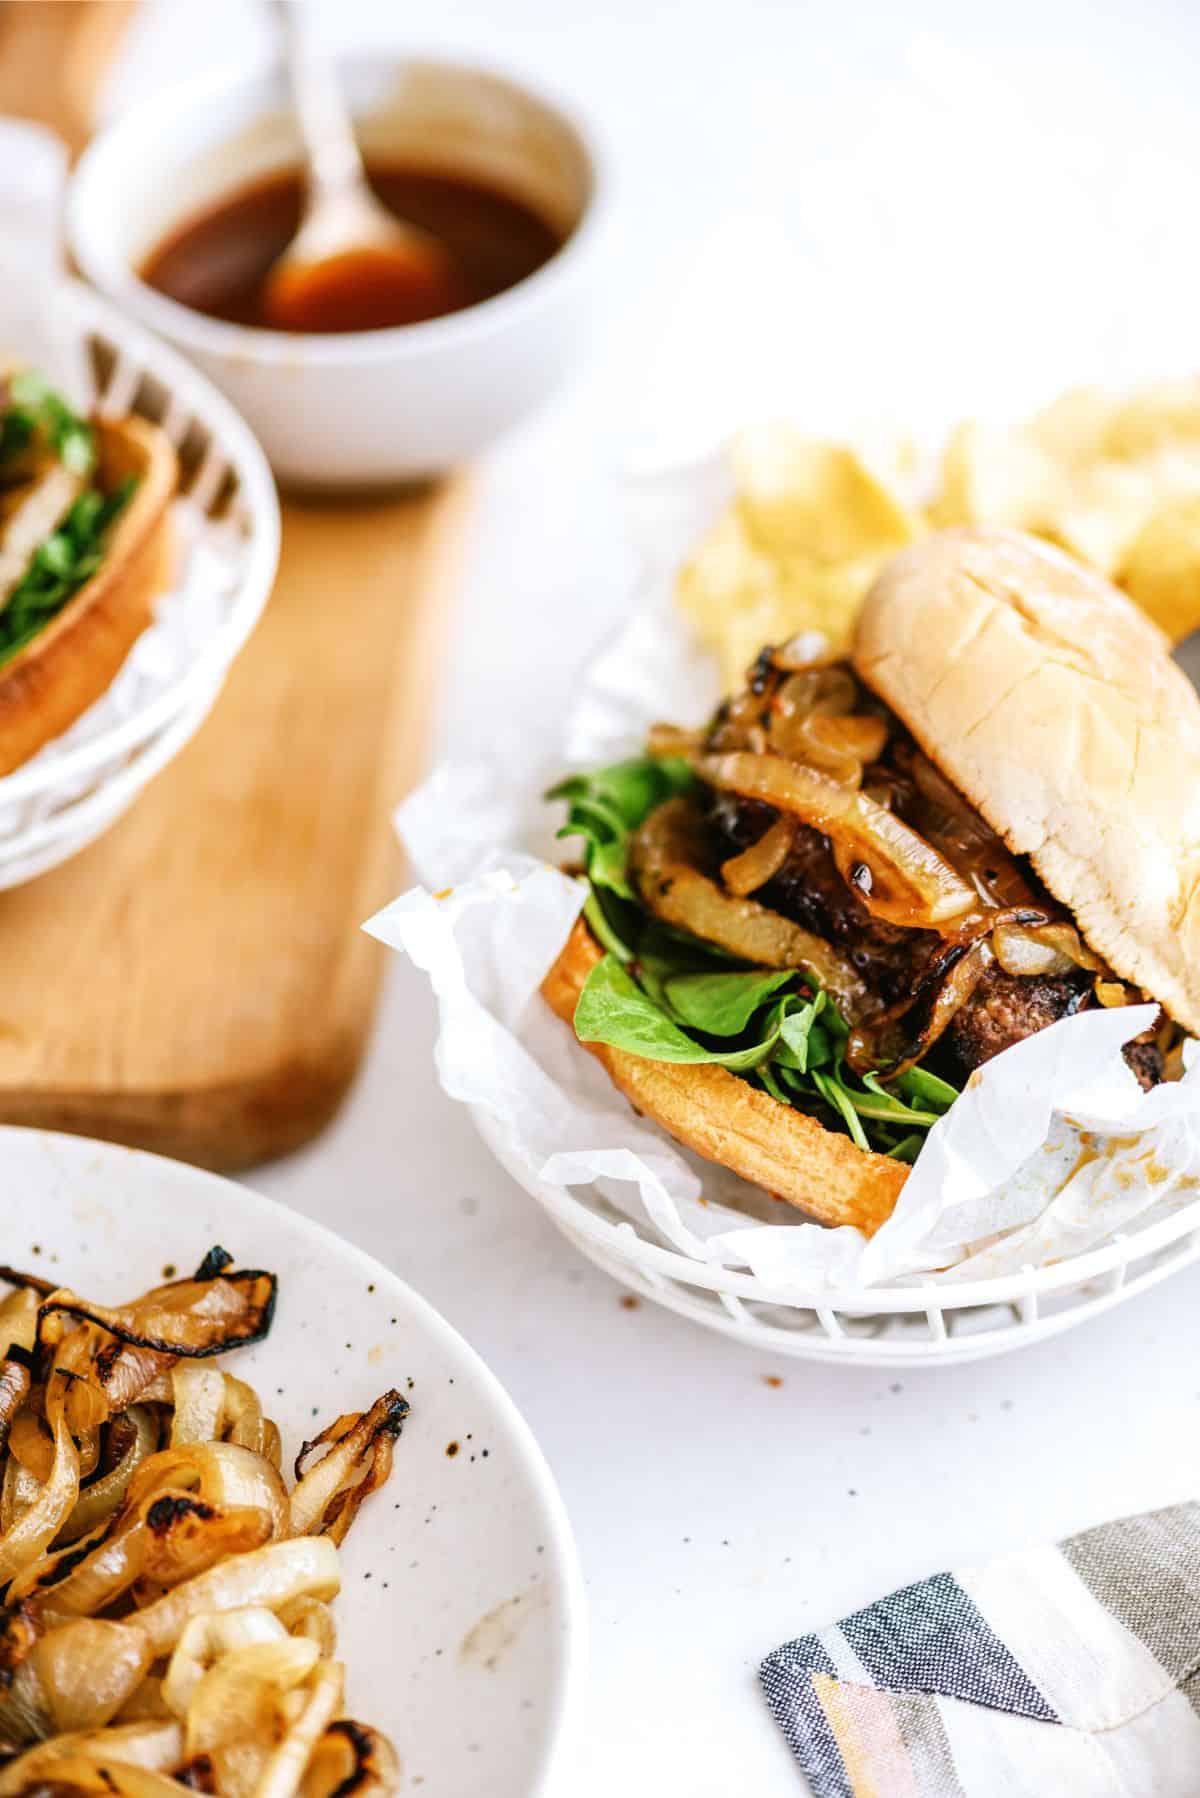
(217, 261)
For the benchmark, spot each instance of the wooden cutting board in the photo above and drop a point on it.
(197, 981)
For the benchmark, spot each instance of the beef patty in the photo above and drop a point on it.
(1002, 1010)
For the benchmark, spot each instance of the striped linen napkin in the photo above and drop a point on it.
(1066, 1669)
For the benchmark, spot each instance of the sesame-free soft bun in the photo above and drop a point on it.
(1053, 705)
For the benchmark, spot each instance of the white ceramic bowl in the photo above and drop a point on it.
(461, 1616)
(364, 408)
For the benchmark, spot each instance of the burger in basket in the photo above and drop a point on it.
(808, 924)
(84, 552)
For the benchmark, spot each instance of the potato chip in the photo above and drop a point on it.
(1113, 481)
(821, 500)
(1156, 417)
(1100, 512)
(995, 477)
(728, 589)
(1076, 427)
(1162, 570)
(738, 599)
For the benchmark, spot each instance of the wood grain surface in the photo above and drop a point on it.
(197, 982)
(54, 55)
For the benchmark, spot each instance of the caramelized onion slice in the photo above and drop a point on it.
(189, 1319)
(829, 691)
(32, 1532)
(1068, 942)
(668, 740)
(357, 1460)
(667, 856)
(233, 1475)
(18, 1321)
(185, 1536)
(812, 721)
(351, 1758)
(18, 1334)
(906, 882)
(308, 1617)
(88, 1669)
(154, 1746)
(743, 874)
(102, 1496)
(1048, 950)
(80, 1579)
(237, 1696)
(198, 1395)
(1021, 952)
(270, 1576)
(31, 1444)
(807, 649)
(192, 1319)
(108, 1777)
(898, 1038)
(284, 1771)
(207, 1640)
(838, 745)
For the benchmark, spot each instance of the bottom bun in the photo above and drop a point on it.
(64, 669)
(728, 1121)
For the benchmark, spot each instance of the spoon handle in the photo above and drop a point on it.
(333, 155)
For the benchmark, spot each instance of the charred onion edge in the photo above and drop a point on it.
(362, 1742)
(256, 1332)
(12, 1276)
(213, 1264)
(197, 1774)
(391, 1424)
(941, 964)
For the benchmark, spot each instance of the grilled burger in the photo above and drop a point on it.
(84, 552)
(809, 923)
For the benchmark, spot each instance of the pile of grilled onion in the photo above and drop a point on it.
(166, 1622)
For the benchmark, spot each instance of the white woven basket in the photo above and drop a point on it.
(915, 1325)
(75, 788)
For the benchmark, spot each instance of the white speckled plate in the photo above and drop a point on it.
(461, 1614)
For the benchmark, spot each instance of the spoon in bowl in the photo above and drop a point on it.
(352, 266)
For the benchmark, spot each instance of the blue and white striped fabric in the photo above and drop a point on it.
(1072, 1669)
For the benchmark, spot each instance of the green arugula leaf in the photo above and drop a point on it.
(723, 1004)
(613, 1009)
(834, 1093)
(908, 1148)
(34, 408)
(606, 931)
(797, 1032)
(16, 434)
(885, 1107)
(933, 1093)
(770, 1077)
(606, 805)
(59, 567)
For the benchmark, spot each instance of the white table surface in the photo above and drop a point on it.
(716, 1514)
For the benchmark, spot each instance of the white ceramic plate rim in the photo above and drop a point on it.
(561, 1553)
